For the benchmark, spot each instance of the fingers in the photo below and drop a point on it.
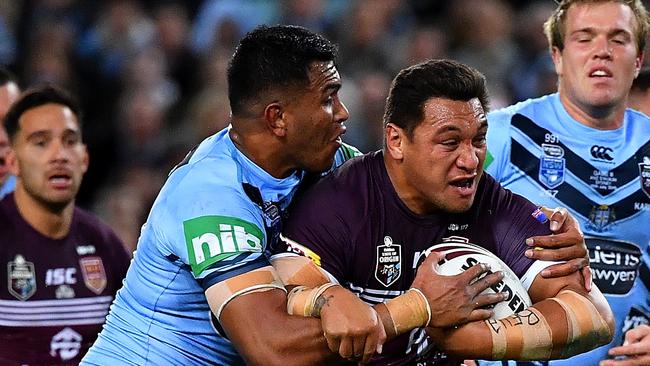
(480, 314)
(487, 299)
(475, 272)
(557, 217)
(564, 269)
(637, 361)
(371, 345)
(562, 240)
(346, 348)
(586, 274)
(486, 282)
(333, 343)
(557, 254)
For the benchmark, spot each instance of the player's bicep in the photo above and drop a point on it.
(221, 289)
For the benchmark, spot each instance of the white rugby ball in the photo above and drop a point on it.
(461, 256)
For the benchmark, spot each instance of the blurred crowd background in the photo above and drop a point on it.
(150, 74)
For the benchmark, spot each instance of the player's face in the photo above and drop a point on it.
(443, 161)
(50, 156)
(600, 58)
(316, 117)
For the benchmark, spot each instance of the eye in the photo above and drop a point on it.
(480, 140)
(450, 142)
(71, 140)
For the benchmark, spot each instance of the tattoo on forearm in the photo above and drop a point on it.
(321, 301)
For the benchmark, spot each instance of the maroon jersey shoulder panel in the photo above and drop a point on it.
(55, 294)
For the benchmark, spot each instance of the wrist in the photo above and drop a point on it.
(309, 301)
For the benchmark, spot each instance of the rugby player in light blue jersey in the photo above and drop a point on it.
(200, 290)
(582, 149)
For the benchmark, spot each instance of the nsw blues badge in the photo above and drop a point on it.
(21, 278)
(389, 262)
(551, 171)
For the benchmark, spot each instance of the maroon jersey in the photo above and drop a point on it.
(55, 293)
(355, 226)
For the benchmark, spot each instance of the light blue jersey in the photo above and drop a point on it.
(602, 177)
(212, 220)
(8, 186)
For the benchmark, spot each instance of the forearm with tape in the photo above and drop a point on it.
(528, 335)
(405, 312)
(296, 270)
(261, 279)
(306, 301)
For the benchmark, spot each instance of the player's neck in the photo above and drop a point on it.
(405, 191)
(261, 149)
(52, 222)
(601, 118)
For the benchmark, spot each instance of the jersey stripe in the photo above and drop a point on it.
(569, 195)
(625, 172)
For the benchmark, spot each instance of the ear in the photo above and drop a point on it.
(556, 55)
(13, 164)
(394, 137)
(274, 118)
(85, 159)
(638, 64)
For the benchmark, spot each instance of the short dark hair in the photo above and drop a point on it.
(7, 76)
(413, 86)
(270, 57)
(37, 97)
(642, 82)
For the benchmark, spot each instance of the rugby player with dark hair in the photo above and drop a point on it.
(63, 266)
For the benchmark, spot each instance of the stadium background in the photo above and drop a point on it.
(150, 74)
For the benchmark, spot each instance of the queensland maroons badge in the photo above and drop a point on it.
(93, 272)
(389, 262)
(21, 278)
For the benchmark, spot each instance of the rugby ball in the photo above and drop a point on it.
(461, 256)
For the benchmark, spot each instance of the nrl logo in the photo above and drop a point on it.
(388, 267)
(21, 278)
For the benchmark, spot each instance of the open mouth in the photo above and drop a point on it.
(60, 180)
(463, 183)
(600, 73)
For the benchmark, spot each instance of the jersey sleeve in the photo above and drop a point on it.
(212, 228)
(317, 227)
(498, 144)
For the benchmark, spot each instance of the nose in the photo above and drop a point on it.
(468, 157)
(603, 49)
(60, 152)
(341, 114)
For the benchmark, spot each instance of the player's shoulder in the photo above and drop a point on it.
(353, 175)
(637, 122)
(210, 177)
(86, 224)
(349, 183)
(529, 108)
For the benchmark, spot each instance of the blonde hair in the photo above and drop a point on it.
(554, 27)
